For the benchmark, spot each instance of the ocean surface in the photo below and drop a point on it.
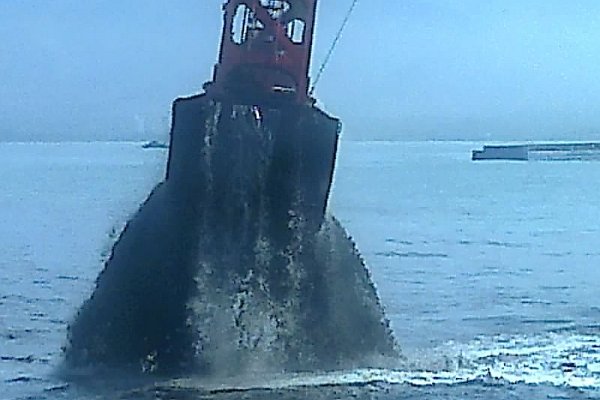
(489, 272)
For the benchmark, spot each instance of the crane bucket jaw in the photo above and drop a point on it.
(232, 260)
(265, 52)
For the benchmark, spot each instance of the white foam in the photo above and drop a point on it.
(334, 378)
(563, 360)
(559, 359)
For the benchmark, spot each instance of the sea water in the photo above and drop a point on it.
(488, 271)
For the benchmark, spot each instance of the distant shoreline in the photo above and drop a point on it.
(343, 138)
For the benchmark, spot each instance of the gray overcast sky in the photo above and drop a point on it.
(493, 69)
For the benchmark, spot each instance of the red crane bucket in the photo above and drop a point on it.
(232, 260)
(265, 51)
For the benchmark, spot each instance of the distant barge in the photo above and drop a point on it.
(560, 151)
(155, 144)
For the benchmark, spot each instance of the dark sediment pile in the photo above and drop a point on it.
(230, 265)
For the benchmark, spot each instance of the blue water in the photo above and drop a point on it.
(488, 271)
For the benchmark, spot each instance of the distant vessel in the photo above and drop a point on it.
(501, 152)
(155, 144)
(559, 151)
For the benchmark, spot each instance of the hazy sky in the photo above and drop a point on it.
(495, 69)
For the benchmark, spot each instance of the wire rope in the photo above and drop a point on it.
(332, 47)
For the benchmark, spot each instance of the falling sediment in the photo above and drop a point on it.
(230, 264)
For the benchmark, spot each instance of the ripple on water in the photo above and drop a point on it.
(497, 243)
(398, 241)
(530, 301)
(23, 359)
(23, 379)
(67, 278)
(410, 254)
(547, 321)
